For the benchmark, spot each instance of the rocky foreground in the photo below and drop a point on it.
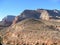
(32, 32)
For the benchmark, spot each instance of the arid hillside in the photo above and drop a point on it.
(32, 32)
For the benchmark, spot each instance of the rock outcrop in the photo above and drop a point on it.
(44, 15)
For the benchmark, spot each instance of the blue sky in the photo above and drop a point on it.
(15, 7)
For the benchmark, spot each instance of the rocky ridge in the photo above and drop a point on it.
(44, 14)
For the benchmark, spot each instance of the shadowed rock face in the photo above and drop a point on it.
(30, 14)
(54, 13)
(27, 14)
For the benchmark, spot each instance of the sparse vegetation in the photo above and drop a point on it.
(1, 40)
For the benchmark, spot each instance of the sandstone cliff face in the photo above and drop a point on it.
(44, 15)
(32, 32)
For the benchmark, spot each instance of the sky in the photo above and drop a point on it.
(15, 7)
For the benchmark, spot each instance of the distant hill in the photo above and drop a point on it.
(6, 21)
